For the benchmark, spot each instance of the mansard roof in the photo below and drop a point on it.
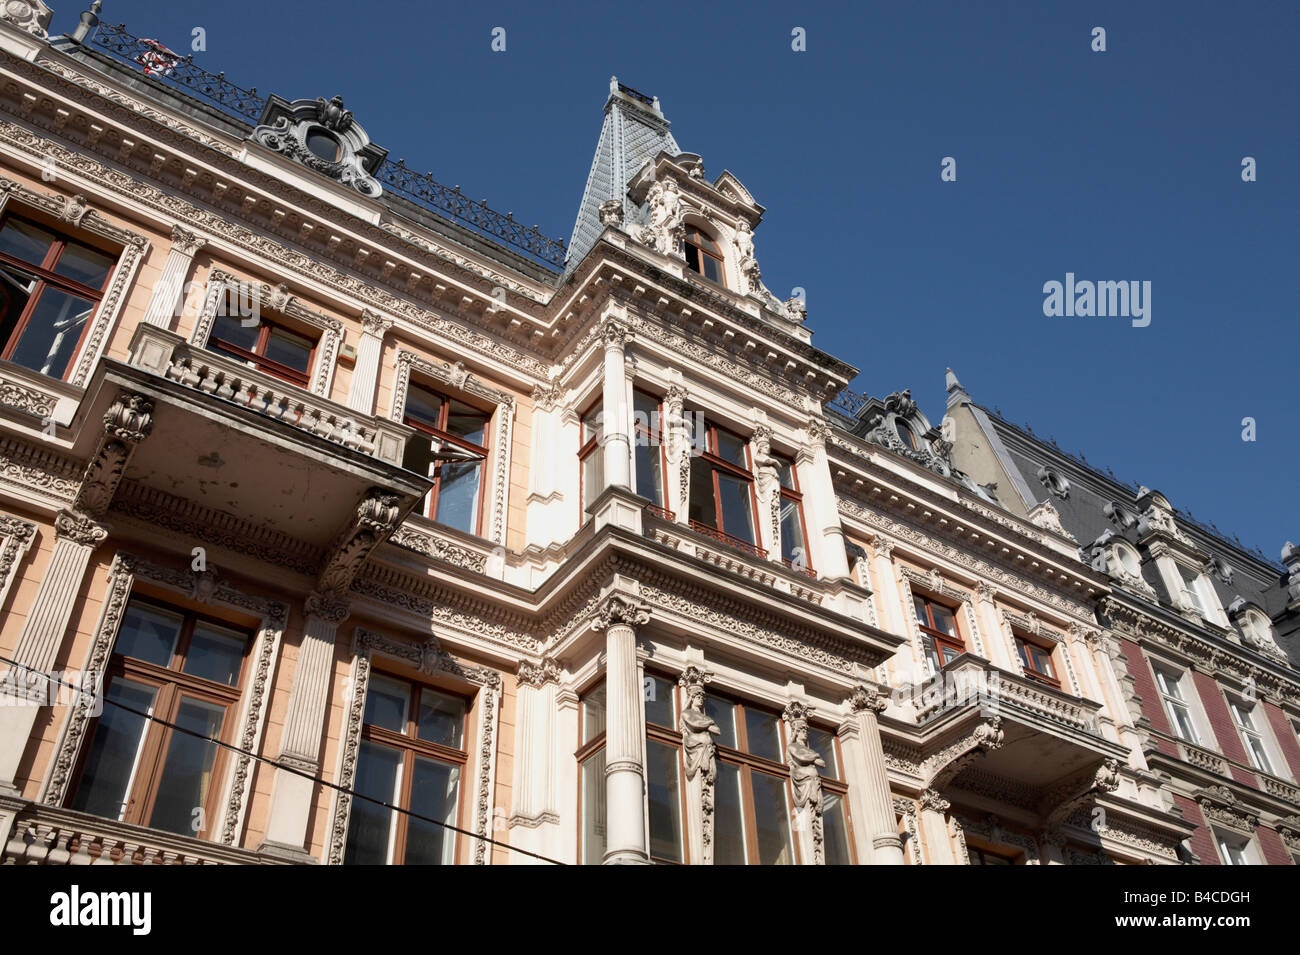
(635, 130)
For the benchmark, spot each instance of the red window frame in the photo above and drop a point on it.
(795, 496)
(716, 463)
(46, 277)
(713, 253)
(942, 641)
(257, 356)
(1030, 668)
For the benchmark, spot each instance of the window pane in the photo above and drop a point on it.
(835, 830)
(764, 734)
(16, 288)
(593, 477)
(433, 794)
(659, 702)
(442, 719)
(792, 545)
(772, 819)
(593, 713)
(943, 620)
(110, 764)
(148, 634)
(663, 795)
(712, 268)
(919, 603)
(187, 772)
(386, 703)
(591, 424)
(732, 448)
(231, 329)
(466, 422)
(290, 350)
(649, 483)
(83, 264)
(52, 333)
(722, 712)
(785, 472)
(728, 820)
(25, 241)
(215, 654)
(424, 406)
(457, 504)
(823, 743)
(593, 809)
(370, 826)
(703, 507)
(418, 456)
(734, 494)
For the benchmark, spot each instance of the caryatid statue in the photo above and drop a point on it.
(665, 215)
(698, 730)
(805, 780)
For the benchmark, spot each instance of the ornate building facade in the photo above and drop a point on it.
(348, 521)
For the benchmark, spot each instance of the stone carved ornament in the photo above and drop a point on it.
(805, 780)
(699, 749)
(323, 137)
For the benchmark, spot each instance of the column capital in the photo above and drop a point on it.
(538, 674)
(621, 609)
(185, 242)
(326, 607)
(614, 333)
(374, 324)
(868, 699)
(79, 528)
(934, 802)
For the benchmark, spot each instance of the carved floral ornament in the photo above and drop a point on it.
(621, 610)
(325, 138)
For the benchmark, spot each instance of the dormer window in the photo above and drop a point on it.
(704, 256)
(323, 144)
(905, 433)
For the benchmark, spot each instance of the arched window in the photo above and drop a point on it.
(704, 256)
(905, 433)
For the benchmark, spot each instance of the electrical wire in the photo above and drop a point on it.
(271, 762)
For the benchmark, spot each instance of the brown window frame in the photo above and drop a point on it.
(429, 507)
(941, 640)
(257, 356)
(587, 448)
(716, 462)
(701, 251)
(45, 277)
(172, 684)
(795, 496)
(411, 746)
(1032, 672)
(653, 440)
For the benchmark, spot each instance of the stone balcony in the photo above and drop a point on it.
(167, 354)
(42, 835)
(1005, 689)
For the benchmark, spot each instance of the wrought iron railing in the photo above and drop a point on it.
(661, 512)
(723, 537)
(799, 567)
(168, 68)
(448, 201)
(848, 403)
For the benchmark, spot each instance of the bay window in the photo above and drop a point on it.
(50, 286)
(167, 666)
(450, 447)
(411, 757)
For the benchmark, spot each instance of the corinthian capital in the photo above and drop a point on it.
(613, 334)
(186, 242)
(621, 609)
(79, 528)
(372, 323)
(867, 699)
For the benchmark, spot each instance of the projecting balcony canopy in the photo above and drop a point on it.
(234, 440)
(1005, 726)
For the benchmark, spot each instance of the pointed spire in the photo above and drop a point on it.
(956, 393)
(634, 132)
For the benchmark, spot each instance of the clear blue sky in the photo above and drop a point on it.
(1117, 165)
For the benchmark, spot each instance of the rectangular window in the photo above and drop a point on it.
(1037, 661)
(939, 635)
(412, 757)
(985, 857)
(722, 501)
(591, 457)
(267, 342)
(450, 447)
(794, 547)
(1180, 716)
(648, 450)
(591, 767)
(1243, 716)
(50, 286)
(167, 667)
(1192, 589)
(1233, 850)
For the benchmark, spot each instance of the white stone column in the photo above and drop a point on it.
(533, 818)
(167, 294)
(890, 599)
(304, 727)
(876, 831)
(567, 780)
(614, 416)
(365, 373)
(934, 829)
(624, 732)
(76, 537)
(825, 534)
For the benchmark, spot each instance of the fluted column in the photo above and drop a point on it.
(934, 828)
(304, 727)
(365, 373)
(614, 416)
(534, 818)
(167, 293)
(873, 804)
(624, 731)
(76, 537)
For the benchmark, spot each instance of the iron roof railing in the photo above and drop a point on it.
(171, 70)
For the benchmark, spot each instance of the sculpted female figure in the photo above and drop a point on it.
(698, 730)
(804, 762)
